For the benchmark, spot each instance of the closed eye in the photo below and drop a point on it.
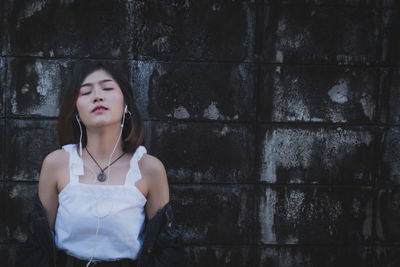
(108, 89)
(86, 93)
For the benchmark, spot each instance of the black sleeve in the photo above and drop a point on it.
(163, 244)
(38, 250)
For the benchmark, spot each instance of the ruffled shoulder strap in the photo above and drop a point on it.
(75, 163)
(134, 172)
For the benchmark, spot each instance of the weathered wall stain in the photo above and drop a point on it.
(228, 93)
(319, 156)
(35, 87)
(318, 94)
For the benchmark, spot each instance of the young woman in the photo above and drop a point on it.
(98, 189)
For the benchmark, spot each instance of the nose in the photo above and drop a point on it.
(98, 95)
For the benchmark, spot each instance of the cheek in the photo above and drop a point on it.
(79, 105)
(120, 99)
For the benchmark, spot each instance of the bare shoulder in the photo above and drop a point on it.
(155, 177)
(152, 168)
(51, 173)
(54, 164)
(55, 159)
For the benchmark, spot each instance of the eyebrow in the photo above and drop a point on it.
(102, 81)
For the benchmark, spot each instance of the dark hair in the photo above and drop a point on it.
(68, 128)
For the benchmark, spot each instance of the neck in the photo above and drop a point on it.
(101, 142)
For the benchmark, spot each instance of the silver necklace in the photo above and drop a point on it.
(101, 177)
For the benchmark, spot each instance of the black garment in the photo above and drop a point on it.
(162, 244)
(39, 249)
(70, 261)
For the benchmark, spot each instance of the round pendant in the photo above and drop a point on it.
(101, 177)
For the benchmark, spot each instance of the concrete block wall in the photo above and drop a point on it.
(278, 121)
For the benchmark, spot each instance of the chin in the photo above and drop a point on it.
(104, 123)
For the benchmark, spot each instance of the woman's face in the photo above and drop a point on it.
(100, 101)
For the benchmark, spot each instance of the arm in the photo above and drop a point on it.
(163, 244)
(157, 183)
(49, 174)
(39, 249)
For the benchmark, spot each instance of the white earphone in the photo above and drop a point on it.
(80, 137)
(123, 115)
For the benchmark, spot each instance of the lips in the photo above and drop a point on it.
(98, 108)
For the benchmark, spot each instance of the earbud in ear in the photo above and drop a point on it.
(123, 116)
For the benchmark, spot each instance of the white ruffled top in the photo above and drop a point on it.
(118, 209)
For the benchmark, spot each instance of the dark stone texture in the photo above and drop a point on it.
(388, 215)
(2, 85)
(205, 30)
(390, 96)
(394, 97)
(390, 36)
(303, 215)
(222, 256)
(8, 254)
(28, 144)
(2, 149)
(35, 86)
(318, 94)
(204, 153)
(3, 208)
(339, 3)
(69, 28)
(316, 256)
(205, 91)
(393, 4)
(388, 256)
(2, 28)
(317, 155)
(390, 168)
(322, 35)
(17, 204)
(288, 256)
(215, 214)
